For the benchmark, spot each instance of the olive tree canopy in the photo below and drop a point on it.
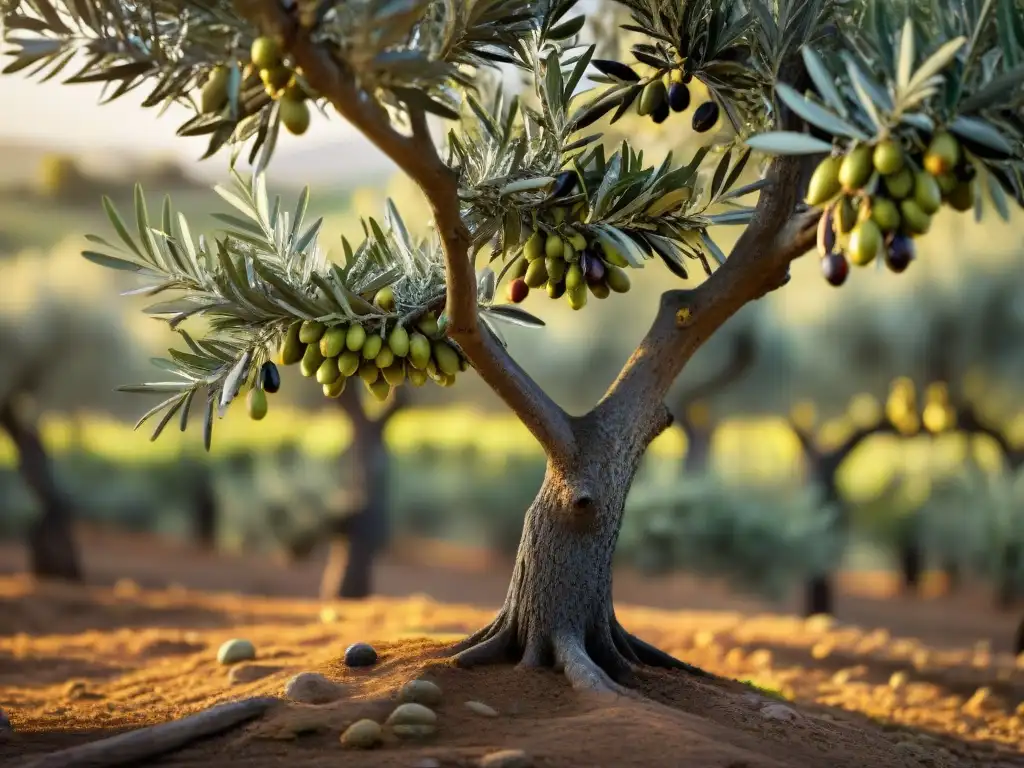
(900, 110)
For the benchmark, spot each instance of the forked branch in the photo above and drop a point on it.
(757, 265)
(417, 156)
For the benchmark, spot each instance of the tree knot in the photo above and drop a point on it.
(684, 317)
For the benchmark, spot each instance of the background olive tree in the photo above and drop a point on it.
(898, 110)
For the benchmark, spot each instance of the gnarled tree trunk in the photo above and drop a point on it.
(558, 610)
(359, 538)
(52, 550)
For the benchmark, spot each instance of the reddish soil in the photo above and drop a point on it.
(82, 663)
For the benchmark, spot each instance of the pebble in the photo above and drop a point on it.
(5, 725)
(427, 762)
(506, 758)
(412, 714)
(481, 709)
(74, 689)
(362, 734)
(248, 673)
(360, 655)
(234, 651)
(420, 692)
(779, 712)
(313, 688)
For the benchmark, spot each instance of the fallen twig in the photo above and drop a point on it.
(154, 740)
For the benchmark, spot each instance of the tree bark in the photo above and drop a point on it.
(52, 550)
(204, 514)
(358, 539)
(911, 564)
(558, 610)
(697, 458)
(1006, 591)
(819, 591)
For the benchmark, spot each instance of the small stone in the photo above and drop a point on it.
(6, 729)
(427, 762)
(898, 681)
(313, 688)
(481, 709)
(360, 655)
(241, 674)
(506, 758)
(420, 692)
(414, 731)
(362, 734)
(779, 712)
(234, 651)
(412, 714)
(74, 689)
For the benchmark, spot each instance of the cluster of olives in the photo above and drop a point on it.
(878, 196)
(334, 354)
(938, 414)
(560, 259)
(670, 92)
(281, 84)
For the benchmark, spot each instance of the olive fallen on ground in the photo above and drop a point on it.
(360, 655)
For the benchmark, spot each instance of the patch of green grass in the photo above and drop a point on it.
(767, 691)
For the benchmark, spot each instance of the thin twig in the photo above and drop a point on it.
(155, 740)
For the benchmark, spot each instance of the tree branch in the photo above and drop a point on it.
(417, 156)
(967, 420)
(687, 318)
(757, 265)
(146, 744)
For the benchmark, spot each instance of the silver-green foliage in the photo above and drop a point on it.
(762, 540)
(880, 68)
(973, 517)
(912, 68)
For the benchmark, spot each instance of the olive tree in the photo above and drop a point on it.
(879, 113)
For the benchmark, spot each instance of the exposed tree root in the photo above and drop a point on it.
(605, 660)
(145, 744)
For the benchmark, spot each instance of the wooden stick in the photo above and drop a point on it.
(147, 743)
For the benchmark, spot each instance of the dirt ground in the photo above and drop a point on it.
(895, 683)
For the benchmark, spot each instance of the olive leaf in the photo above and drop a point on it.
(787, 143)
(818, 115)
